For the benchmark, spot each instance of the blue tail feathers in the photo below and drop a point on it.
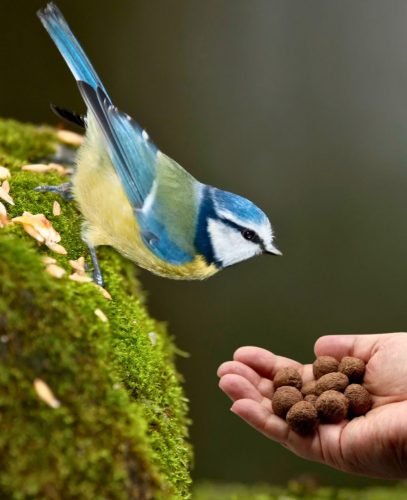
(58, 29)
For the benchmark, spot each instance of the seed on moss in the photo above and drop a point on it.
(308, 388)
(284, 398)
(332, 406)
(353, 368)
(302, 418)
(287, 376)
(71, 138)
(4, 193)
(55, 271)
(56, 209)
(311, 398)
(359, 398)
(331, 381)
(4, 173)
(323, 365)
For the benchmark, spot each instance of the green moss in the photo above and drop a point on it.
(295, 490)
(121, 429)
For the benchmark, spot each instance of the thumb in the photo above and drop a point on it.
(338, 346)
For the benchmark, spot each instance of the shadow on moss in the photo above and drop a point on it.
(121, 429)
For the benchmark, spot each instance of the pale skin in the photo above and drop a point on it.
(373, 445)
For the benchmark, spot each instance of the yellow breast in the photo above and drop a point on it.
(110, 220)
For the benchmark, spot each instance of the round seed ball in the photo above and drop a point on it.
(353, 368)
(284, 398)
(311, 398)
(323, 365)
(308, 388)
(332, 406)
(302, 417)
(359, 398)
(287, 376)
(331, 381)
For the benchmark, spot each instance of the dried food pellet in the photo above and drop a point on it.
(332, 406)
(284, 398)
(331, 381)
(323, 365)
(353, 368)
(287, 376)
(302, 418)
(359, 398)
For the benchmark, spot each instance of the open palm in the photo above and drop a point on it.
(373, 445)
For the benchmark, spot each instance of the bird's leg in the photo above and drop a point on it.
(64, 190)
(97, 273)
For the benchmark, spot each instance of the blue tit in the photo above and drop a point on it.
(141, 202)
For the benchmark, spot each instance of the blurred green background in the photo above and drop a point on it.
(301, 107)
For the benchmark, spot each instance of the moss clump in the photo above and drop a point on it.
(121, 429)
(294, 490)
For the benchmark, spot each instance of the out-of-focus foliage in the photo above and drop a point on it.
(294, 491)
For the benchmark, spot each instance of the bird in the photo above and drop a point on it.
(138, 200)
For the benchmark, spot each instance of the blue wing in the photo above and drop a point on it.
(133, 155)
(167, 220)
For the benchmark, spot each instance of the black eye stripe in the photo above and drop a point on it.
(257, 240)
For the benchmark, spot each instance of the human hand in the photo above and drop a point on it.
(373, 445)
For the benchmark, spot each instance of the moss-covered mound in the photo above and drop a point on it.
(120, 429)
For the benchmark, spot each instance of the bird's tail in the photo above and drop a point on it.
(58, 29)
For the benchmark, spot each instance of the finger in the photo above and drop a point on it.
(239, 368)
(238, 387)
(261, 419)
(264, 362)
(267, 364)
(338, 346)
(263, 385)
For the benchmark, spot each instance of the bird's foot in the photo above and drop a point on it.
(64, 190)
(97, 272)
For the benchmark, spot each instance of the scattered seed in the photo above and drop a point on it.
(78, 265)
(45, 393)
(40, 168)
(101, 315)
(4, 190)
(47, 260)
(71, 138)
(6, 186)
(56, 247)
(61, 169)
(80, 278)
(4, 173)
(55, 271)
(39, 227)
(56, 209)
(153, 337)
(3, 216)
(104, 292)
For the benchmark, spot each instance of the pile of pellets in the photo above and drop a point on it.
(335, 394)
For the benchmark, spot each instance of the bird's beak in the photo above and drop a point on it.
(272, 250)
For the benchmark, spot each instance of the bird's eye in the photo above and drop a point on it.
(248, 234)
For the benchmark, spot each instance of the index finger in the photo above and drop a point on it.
(267, 364)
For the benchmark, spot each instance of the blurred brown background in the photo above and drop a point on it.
(301, 107)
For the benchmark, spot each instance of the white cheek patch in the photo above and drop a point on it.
(228, 244)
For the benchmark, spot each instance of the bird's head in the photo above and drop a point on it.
(236, 229)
